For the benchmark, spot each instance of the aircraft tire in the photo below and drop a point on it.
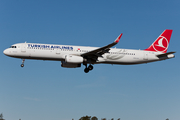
(22, 65)
(86, 70)
(90, 67)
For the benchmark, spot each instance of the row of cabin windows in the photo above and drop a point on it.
(50, 49)
(59, 49)
(122, 53)
(74, 50)
(41, 48)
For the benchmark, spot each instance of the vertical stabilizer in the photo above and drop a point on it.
(161, 43)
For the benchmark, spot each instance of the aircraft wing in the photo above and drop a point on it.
(100, 51)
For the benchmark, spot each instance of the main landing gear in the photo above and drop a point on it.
(87, 69)
(22, 65)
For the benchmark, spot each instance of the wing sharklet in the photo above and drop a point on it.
(100, 51)
(118, 38)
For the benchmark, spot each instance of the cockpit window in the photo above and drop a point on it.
(13, 47)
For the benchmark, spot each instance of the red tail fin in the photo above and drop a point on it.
(161, 43)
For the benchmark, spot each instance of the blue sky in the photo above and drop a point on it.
(42, 90)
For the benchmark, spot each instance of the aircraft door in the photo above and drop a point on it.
(58, 51)
(145, 56)
(23, 47)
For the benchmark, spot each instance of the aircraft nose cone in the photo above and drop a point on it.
(5, 51)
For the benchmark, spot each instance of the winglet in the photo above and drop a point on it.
(118, 38)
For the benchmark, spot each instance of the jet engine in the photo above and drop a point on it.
(70, 65)
(73, 59)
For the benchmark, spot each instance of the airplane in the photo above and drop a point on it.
(74, 56)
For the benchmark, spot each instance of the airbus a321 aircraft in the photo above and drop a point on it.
(73, 56)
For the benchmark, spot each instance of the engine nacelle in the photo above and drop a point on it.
(69, 65)
(73, 59)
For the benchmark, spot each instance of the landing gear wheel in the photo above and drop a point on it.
(22, 65)
(86, 70)
(90, 67)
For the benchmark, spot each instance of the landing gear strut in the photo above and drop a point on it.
(87, 69)
(22, 65)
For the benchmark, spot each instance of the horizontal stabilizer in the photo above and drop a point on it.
(165, 54)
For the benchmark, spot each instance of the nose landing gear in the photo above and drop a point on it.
(22, 65)
(87, 69)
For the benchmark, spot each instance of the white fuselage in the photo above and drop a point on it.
(73, 56)
(59, 52)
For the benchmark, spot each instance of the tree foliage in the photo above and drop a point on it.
(94, 118)
(85, 118)
(103, 119)
(1, 116)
